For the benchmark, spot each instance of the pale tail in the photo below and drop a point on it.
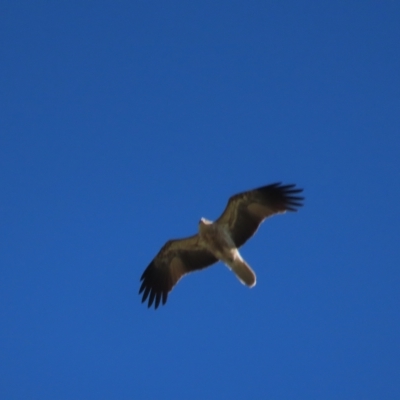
(243, 272)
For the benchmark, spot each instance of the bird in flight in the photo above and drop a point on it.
(217, 241)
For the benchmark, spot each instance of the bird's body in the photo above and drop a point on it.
(217, 241)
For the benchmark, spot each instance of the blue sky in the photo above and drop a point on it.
(122, 123)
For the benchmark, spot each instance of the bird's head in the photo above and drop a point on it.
(203, 222)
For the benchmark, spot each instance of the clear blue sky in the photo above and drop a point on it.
(124, 122)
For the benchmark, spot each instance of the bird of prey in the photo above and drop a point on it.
(217, 241)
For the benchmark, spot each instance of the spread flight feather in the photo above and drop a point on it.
(217, 241)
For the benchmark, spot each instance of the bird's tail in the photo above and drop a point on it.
(243, 271)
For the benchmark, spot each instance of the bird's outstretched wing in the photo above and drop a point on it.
(175, 259)
(246, 211)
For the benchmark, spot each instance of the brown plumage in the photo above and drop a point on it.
(217, 241)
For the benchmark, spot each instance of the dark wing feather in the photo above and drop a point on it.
(246, 211)
(175, 259)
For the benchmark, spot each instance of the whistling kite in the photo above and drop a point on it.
(218, 241)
